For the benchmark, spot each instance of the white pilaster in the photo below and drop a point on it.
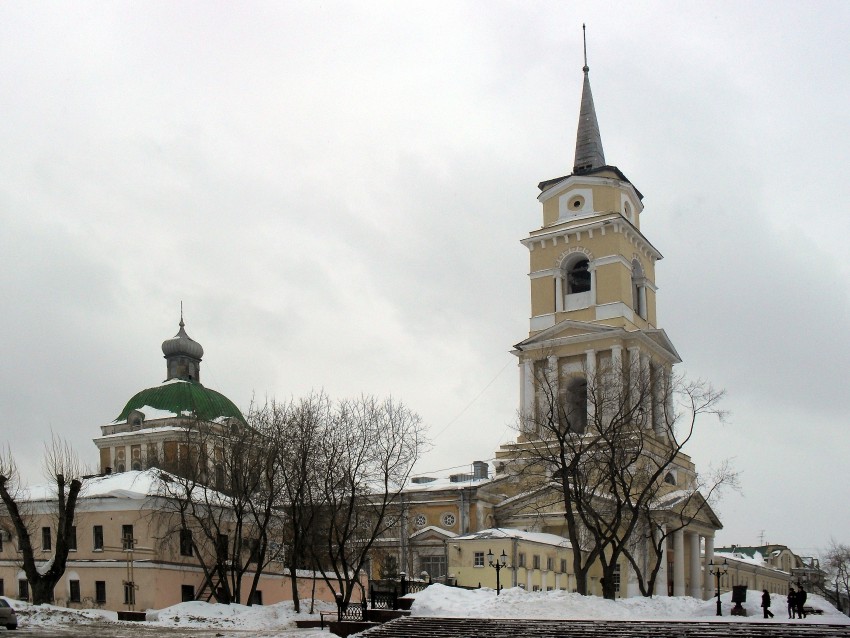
(593, 295)
(679, 563)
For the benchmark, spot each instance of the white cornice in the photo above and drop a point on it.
(557, 189)
(603, 223)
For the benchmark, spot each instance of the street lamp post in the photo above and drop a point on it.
(717, 571)
(498, 563)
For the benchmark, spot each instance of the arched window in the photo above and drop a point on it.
(572, 412)
(670, 478)
(578, 277)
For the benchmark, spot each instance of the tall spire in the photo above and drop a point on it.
(589, 153)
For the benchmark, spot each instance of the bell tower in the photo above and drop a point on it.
(592, 272)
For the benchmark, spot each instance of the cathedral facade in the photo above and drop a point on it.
(593, 327)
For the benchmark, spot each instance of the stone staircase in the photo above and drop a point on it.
(422, 627)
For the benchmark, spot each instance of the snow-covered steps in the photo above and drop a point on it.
(428, 627)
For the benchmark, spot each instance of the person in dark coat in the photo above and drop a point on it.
(765, 604)
(801, 602)
(792, 602)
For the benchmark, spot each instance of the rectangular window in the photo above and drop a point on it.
(127, 540)
(46, 539)
(74, 591)
(129, 593)
(535, 588)
(187, 593)
(550, 563)
(72, 539)
(97, 538)
(2, 588)
(478, 559)
(23, 590)
(564, 565)
(535, 562)
(186, 543)
(434, 565)
(521, 559)
(1, 539)
(100, 592)
(257, 598)
(222, 547)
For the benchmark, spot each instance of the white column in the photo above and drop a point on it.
(679, 563)
(592, 390)
(526, 391)
(661, 579)
(696, 574)
(557, 581)
(708, 584)
(644, 311)
(644, 388)
(559, 291)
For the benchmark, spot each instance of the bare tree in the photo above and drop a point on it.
(607, 440)
(296, 431)
(368, 451)
(836, 560)
(64, 473)
(222, 503)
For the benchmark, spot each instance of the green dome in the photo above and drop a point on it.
(181, 398)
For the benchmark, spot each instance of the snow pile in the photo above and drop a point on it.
(439, 600)
(201, 614)
(52, 616)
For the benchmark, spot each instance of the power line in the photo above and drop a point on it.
(474, 399)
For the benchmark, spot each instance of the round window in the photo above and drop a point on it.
(449, 520)
(420, 520)
(577, 202)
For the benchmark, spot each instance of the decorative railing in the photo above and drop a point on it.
(350, 612)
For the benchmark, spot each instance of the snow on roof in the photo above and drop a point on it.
(534, 537)
(134, 484)
(444, 484)
(162, 428)
(756, 559)
(152, 414)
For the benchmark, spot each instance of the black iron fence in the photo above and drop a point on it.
(350, 611)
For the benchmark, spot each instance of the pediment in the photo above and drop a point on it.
(693, 503)
(565, 329)
(432, 533)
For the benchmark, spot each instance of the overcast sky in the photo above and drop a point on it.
(336, 192)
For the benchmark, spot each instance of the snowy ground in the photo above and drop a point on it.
(206, 619)
(438, 600)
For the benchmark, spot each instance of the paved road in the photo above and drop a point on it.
(111, 630)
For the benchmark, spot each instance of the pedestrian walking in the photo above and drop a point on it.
(792, 602)
(801, 602)
(765, 604)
